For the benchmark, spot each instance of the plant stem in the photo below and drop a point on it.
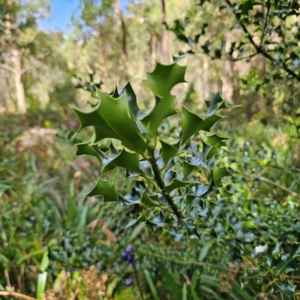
(180, 262)
(137, 279)
(161, 184)
(264, 179)
(17, 295)
(259, 48)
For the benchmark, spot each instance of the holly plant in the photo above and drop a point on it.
(175, 183)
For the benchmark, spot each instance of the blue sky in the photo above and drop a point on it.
(62, 10)
(60, 19)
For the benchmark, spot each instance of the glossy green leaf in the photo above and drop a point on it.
(187, 169)
(164, 108)
(225, 192)
(146, 168)
(133, 195)
(141, 218)
(124, 160)
(149, 200)
(106, 189)
(218, 174)
(211, 121)
(272, 251)
(164, 78)
(175, 184)
(211, 139)
(192, 123)
(211, 153)
(217, 103)
(87, 148)
(286, 290)
(214, 104)
(135, 112)
(112, 119)
(168, 151)
(288, 260)
(249, 225)
(202, 189)
(200, 158)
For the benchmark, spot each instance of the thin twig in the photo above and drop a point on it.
(241, 58)
(161, 184)
(15, 294)
(7, 68)
(264, 179)
(286, 169)
(291, 277)
(180, 262)
(265, 26)
(137, 279)
(258, 48)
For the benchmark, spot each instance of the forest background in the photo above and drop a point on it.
(247, 51)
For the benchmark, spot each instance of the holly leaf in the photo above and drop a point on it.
(142, 218)
(187, 169)
(87, 148)
(211, 152)
(136, 113)
(146, 168)
(217, 103)
(149, 200)
(202, 189)
(106, 189)
(218, 174)
(168, 151)
(286, 290)
(200, 158)
(124, 160)
(211, 139)
(192, 123)
(112, 119)
(164, 108)
(175, 184)
(225, 192)
(164, 78)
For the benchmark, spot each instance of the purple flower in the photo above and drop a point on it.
(124, 256)
(128, 282)
(129, 258)
(129, 249)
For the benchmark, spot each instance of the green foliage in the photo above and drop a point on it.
(44, 213)
(213, 236)
(266, 34)
(166, 186)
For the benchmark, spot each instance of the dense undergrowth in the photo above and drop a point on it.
(251, 250)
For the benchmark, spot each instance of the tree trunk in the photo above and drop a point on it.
(153, 48)
(103, 56)
(19, 87)
(228, 81)
(123, 28)
(14, 55)
(165, 48)
(9, 98)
